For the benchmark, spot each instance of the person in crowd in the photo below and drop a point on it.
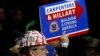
(16, 20)
(34, 44)
(2, 17)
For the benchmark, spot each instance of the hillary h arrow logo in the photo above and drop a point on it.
(78, 10)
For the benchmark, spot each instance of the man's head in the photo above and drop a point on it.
(33, 44)
(16, 15)
(2, 14)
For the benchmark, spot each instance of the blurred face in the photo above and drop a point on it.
(41, 51)
(18, 15)
(2, 14)
(15, 49)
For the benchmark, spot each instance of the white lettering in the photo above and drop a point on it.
(60, 7)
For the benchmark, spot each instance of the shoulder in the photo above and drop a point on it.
(51, 50)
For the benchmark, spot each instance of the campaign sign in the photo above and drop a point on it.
(63, 16)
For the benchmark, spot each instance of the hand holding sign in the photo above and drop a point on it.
(64, 40)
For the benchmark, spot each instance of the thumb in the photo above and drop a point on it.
(64, 37)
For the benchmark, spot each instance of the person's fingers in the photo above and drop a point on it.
(64, 37)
